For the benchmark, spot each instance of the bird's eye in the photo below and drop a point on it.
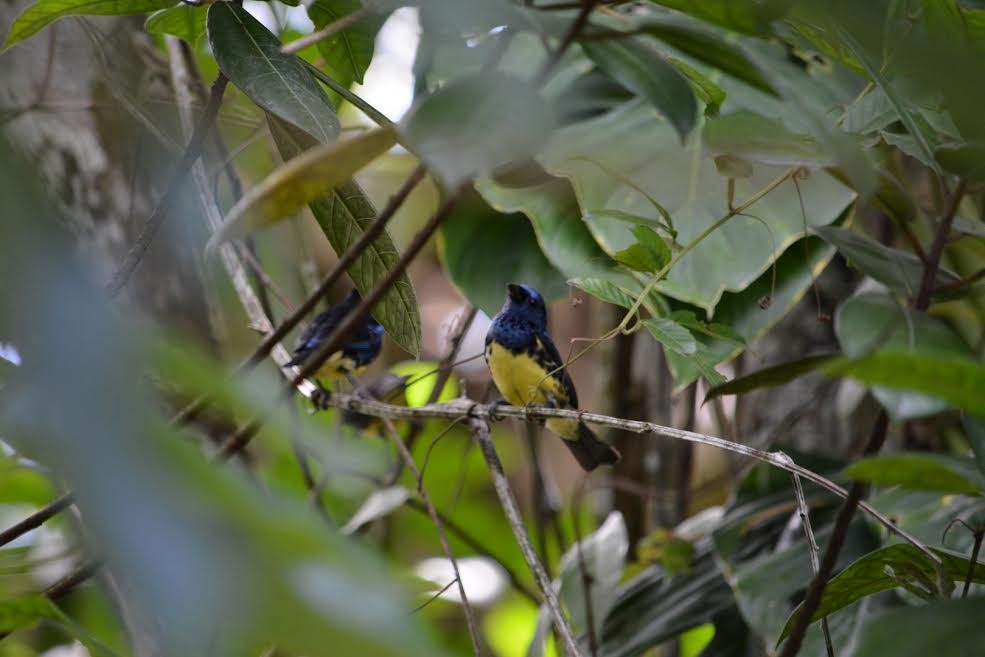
(532, 302)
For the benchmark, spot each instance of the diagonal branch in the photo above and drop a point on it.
(480, 430)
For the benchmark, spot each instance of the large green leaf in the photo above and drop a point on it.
(44, 12)
(948, 628)
(868, 322)
(810, 101)
(508, 252)
(469, 127)
(953, 379)
(344, 214)
(627, 159)
(900, 565)
(918, 471)
(753, 311)
(251, 58)
(639, 67)
(348, 53)
(24, 611)
(183, 21)
(672, 335)
(899, 270)
(762, 139)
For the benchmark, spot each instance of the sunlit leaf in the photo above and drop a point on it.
(183, 20)
(251, 58)
(344, 214)
(707, 91)
(468, 128)
(301, 180)
(635, 64)
(43, 12)
(739, 15)
(348, 53)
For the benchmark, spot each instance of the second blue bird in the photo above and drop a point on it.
(359, 348)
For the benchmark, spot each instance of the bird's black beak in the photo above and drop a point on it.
(516, 293)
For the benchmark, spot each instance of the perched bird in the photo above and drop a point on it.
(527, 369)
(359, 348)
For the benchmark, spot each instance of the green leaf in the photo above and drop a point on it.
(468, 128)
(621, 161)
(348, 53)
(868, 322)
(184, 21)
(918, 471)
(672, 335)
(640, 68)
(604, 290)
(707, 91)
(301, 180)
(810, 102)
(870, 113)
(900, 271)
(731, 166)
(755, 137)
(965, 160)
(251, 57)
(957, 380)
(916, 128)
(649, 254)
(747, 17)
(974, 429)
(24, 611)
(45, 12)
(885, 569)
(704, 44)
(344, 214)
(769, 377)
(946, 628)
(509, 253)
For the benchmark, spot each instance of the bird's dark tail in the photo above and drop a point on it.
(587, 448)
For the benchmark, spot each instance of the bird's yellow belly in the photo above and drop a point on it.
(335, 367)
(521, 379)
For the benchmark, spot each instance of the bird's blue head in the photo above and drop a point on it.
(525, 304)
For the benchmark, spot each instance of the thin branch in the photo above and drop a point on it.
(972, 562)
(301, 456)
(937, 249)
(961, 284)
(457, 408)
(554, 58)
(434, 596)
(805, 521)
(465, 537)
(470, 618)
(329, 30)
(192, 152)
(36, 519)
(586, 577)
(480, 430)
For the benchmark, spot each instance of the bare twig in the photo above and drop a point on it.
(457, 408)
(36, 519)
(937, 249)
(434, 596)
(301, 456)
(192, 152)
(480, 430)
(554, 58)
(805, 521)
(405, 454)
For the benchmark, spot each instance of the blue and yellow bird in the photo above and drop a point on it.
(527, 369)
(359, 348)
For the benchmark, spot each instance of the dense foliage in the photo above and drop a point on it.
(689, 169)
